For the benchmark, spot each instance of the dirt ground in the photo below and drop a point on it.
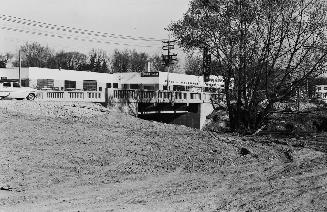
(83, 157)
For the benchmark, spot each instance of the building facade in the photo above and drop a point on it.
(169, 81)
(55, 79)
(43, 78)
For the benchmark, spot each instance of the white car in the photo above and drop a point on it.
(12, 90)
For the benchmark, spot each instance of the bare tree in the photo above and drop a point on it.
(157, 63)
(71, 60)
(267, 48)
(138, 61)
(120, 61)
(4, 59)
(35, 55)
(98, 61)
(129, 61)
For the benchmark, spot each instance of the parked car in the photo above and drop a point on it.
(11, 89)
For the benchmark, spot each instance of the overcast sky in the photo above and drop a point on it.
(135, 18)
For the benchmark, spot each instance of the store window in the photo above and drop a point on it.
(90, 85)
(45, 83)
(70, 85)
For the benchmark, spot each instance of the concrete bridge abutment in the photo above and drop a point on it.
(192, 115)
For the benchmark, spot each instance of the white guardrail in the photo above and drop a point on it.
(131, 95)
(82, 96)
(163, 96)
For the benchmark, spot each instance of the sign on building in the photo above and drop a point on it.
(150, 74)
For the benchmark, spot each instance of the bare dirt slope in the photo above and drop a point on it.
(82, 157)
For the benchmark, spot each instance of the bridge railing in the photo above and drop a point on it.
(161, 96)
(83, 96)
(130, 95)
(50, 95)
(146, 96)
(165, 96)
(95, 96)
(124, 94)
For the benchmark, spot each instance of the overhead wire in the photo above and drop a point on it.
(21, 28)
(67, 36)
(59, 46)
(34, 23)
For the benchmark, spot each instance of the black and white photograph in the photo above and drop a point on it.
(163, 105)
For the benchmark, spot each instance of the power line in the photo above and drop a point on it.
(69, 29)
(77, 38)
(33, 23)
(34, 31)
(21, 28)
(59, 46)
(69, 36)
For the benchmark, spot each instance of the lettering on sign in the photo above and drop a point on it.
(150, 74)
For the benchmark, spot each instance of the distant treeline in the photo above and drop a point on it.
(97, 60)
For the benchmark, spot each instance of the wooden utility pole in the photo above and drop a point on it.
(169, 58)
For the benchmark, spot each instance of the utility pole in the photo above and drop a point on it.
(169, 58)
(19, 69)
(206, 68)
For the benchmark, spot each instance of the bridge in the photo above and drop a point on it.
(177, 107)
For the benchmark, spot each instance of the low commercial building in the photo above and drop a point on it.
(59, 79)
(169, 81)
(56, 79)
